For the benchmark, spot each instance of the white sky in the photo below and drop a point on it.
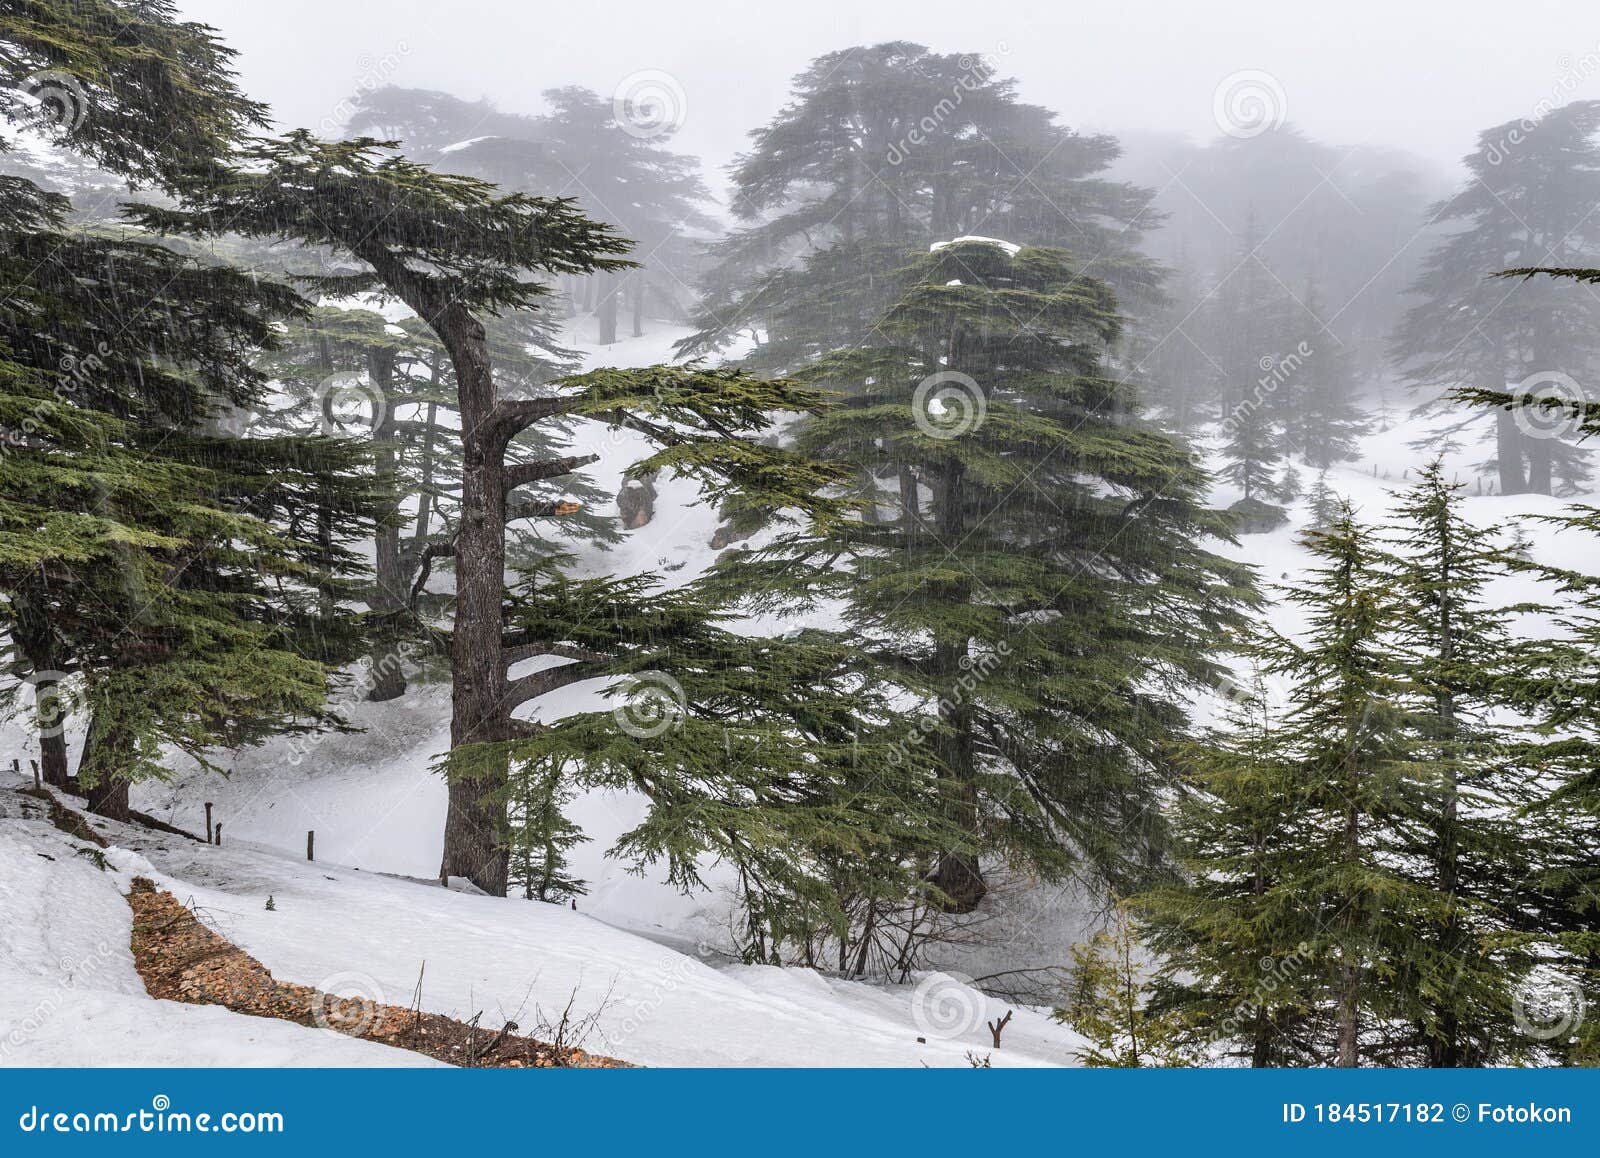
(1425, 76)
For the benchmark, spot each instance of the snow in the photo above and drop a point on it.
(69, 995)
(457, 146)
(641, 954)
(347, 931)
(1011, 247)
(649, 961)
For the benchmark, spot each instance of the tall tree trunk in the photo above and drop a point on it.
(958, 874)
(638, 304)
(1508, 453)
(110, 800)
(1539, 465)
(475, 822)
(103, 770)
(1349, 1016)
(388, 677)
(54, 766)
(419, 534)
(606, 311)
(35, 639)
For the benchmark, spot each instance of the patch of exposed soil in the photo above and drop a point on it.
(181, 959)
(70, 822)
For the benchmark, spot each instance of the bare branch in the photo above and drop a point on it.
(531, 687)
(425, 566)
(531, 472)
(549, 510)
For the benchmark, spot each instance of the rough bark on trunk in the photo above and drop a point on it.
(474, 832)
(425, 484)
(54, 766)
(102, 769)
(110, 800)
(387, 676)
(1539, 465)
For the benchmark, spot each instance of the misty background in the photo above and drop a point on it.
(1422, 77)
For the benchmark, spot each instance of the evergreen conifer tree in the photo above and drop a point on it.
(455, 251)
(1476, 339)
(1037, 589)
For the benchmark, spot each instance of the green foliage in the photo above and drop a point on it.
(881, 150)
(1106, 1003)
(772, 755)
(1033, 591)
(454, 239)
(124, 82)
(541, 836)
(1354, 871)
(186, 580)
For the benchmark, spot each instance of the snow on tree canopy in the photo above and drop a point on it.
(1010, 247)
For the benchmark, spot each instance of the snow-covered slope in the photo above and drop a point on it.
(69, 995)
(64, 940)
(377, 806)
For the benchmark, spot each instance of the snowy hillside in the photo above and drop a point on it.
(71, 996)
(649, 962)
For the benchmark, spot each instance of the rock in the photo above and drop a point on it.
(636, 502)
(1254, 517)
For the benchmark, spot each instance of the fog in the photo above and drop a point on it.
(1423, 77)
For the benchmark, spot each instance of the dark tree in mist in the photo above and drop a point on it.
(882, 150)
(1027, 565)
(456, 251)
(1529, 203)
(579, 149)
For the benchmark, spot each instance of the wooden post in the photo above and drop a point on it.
(311, 844)
(38, 780)
(208, 823)
(219, 834)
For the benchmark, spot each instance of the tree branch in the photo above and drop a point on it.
(516, 652)
(531, 687)
(531, 472)
(555, 509)
(513, 417)
(425, 567)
